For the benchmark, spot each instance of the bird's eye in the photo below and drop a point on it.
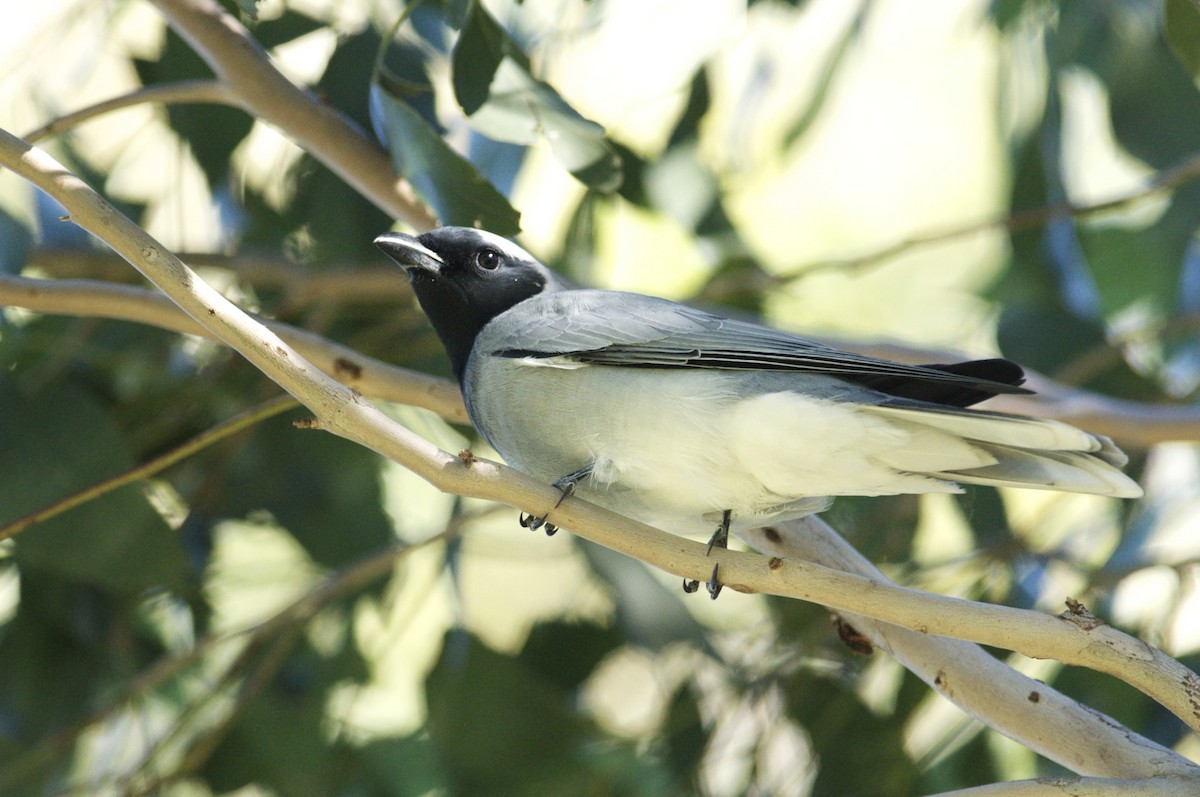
(487, 259)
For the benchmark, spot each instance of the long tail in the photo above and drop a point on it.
(1028, 452)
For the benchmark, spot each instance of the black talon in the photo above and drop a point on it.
(566, 486)
(719, 539)
(714, 586)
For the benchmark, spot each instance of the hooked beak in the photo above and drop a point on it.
(410, 253)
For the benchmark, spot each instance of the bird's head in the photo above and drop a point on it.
(464, 278)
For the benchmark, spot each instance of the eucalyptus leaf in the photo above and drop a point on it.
(54, 443)
(520, 109)
(1182, 25)
(445, 180)
(503, 101)
(16, 239)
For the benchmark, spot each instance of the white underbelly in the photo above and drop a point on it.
(679, 450)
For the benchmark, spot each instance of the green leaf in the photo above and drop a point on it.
(441, 177)
(249, 8)
(405, 767)
(338, 223)
(279, 737)
(54, 443)
(520, 108)
(481, 46)
(288, 26)
(647, 614)
(503, 101)
(1136, 265)
(499, 727)
(684, 735)
(984, 511)
(16, 239)
(324, 490)
(841, 728)
(567, 653)
(882, 527)
(1027, 328)
(1182, 24)
(55, 657)
(342, 84)
(212, 131)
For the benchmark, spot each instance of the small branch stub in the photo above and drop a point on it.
(1078, 614)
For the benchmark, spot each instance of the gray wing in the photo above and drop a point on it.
(624, 329)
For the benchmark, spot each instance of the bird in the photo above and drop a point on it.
(704, 425)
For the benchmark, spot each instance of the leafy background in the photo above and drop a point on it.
(242, 622)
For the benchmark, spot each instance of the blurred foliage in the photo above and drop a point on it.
(149, 641)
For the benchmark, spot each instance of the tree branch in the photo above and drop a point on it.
(346, 413)
(364, 374)
(1082, 787)
(186, 91)
(254, 83)
(1131, 423)
(346, 281)
(1168, 179)
(1028, 711)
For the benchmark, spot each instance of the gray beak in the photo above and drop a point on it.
(409, 252)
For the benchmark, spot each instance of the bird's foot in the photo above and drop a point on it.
(719, 539)
(566, 486)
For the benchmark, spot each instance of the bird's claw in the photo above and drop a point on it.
(533, 523)
(566, 486)
(714, 586)
(719, 539)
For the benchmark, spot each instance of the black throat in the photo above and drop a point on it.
(458, 318)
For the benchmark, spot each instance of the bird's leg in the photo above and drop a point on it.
(719, 539)
(566, 486)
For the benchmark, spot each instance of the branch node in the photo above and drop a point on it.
(308, 423)
(1078, 614)
(347, 368)
(467, 457)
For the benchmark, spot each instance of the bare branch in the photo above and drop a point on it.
(364, 374)
(1028, 711)
(183, 92)
(1131, 423)
(1167, 180)
(323, 131)
(346, 413)
(335, 282)
(1082, 787)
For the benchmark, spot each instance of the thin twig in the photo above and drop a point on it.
(245, 70)
(367, 375)
(334, 282)
(1168, 179)
(180, 93)
(227, 428)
